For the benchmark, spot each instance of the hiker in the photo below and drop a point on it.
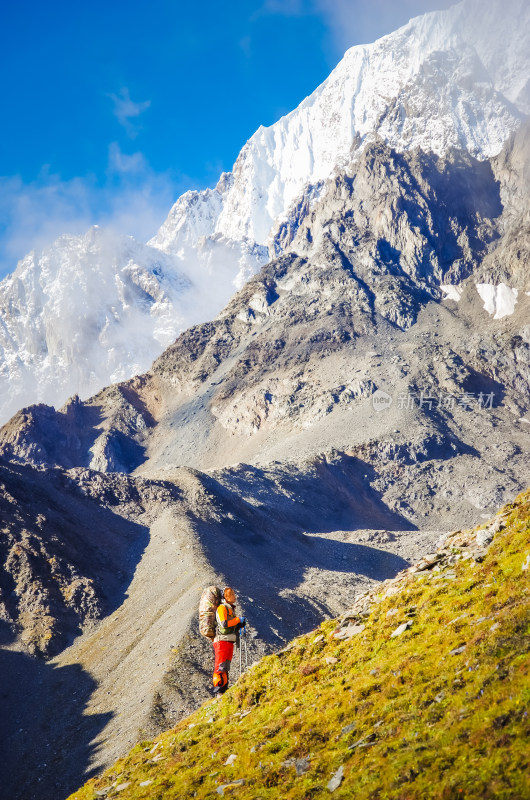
(226, 635)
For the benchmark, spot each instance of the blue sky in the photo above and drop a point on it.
(111, 110)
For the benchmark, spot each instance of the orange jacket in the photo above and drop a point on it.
(227, 623)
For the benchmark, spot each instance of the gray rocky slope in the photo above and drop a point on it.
(318, 434)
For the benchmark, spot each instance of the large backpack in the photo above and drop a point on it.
(210, 599)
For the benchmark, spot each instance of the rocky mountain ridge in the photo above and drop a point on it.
(447, 79)
(356, 306)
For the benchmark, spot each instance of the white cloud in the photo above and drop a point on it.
(124, 163)
(35, 213)
(134, 200)
(351, 22)
(356, 21)
(126, 110)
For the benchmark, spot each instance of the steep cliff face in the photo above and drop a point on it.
(509, 261)
(418, 217)
(449, 79)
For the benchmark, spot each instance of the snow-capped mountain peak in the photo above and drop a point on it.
(97, 308)
(453, 78)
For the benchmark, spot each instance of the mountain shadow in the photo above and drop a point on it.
(268, 566)
(42, 719)
(65, 539)
(268, 531)
(66, 560)
(328, 494)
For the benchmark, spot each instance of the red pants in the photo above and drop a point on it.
(223, 658)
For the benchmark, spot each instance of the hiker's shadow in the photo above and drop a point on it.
(33, 765)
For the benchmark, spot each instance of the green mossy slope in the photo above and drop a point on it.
(439, 711)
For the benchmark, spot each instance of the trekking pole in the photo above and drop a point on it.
(246, 654)
(240, 670)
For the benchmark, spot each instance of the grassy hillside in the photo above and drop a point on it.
(439, 710)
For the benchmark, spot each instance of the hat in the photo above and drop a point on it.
(229, 595)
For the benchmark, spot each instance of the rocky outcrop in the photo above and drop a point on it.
(65, 558)
(418, 216)
(509, 261)
(81, 434)
(454, 547)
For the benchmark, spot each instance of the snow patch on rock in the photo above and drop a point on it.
(452, 291)
(500, 300)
